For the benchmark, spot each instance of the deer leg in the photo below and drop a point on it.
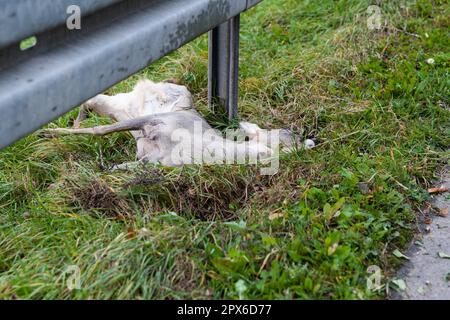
(250, 130)
(127, 125)
(103, 105)
(98, 104)
(82, 115)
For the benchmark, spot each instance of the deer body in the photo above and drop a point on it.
(167, 129)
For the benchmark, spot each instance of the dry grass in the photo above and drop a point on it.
(378, 112)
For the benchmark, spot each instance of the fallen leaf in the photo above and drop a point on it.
(131, 233)
(144, 232)
(443, 255)
(440, 189)
(400, 283)
(398, 254)
(332, 249)
(418, 243)
(421, 290)
(443, 212)
(275, 215)
(241, 225)
(241, 288)
(428, 221)
(426, 208)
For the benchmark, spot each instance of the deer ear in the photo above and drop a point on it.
(309, 144)
(250, 129)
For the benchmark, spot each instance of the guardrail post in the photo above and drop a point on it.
(223, 71)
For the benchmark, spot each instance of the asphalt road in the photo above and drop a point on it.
(427, 273)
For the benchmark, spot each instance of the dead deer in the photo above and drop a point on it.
(168, 130)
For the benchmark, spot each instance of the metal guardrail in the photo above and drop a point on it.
(117, 39)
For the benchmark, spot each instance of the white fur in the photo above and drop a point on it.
(154, 113)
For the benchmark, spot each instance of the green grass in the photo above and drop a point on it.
(379, 112)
